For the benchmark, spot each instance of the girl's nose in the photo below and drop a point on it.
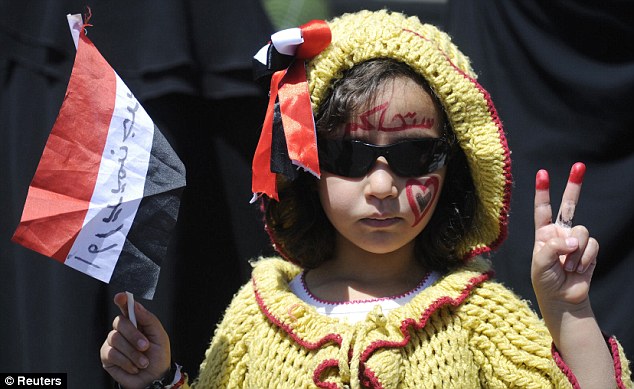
(381, 181)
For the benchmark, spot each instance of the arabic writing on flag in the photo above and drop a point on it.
(105, 196)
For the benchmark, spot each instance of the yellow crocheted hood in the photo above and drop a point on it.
(367, 35)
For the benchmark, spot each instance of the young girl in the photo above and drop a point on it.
(381, 283)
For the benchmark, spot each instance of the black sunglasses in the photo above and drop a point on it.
(408, 158)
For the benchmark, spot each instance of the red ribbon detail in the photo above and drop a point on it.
(87, 17)
(291, 88)
(297, 119)
(317, 36)
(263, 180)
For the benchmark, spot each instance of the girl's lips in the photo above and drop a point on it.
(380, 222)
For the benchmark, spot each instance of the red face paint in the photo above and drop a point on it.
(398, 122)
(420, 196)
(542, 181)
(577, 172)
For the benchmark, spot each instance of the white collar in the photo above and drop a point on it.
(357, 310)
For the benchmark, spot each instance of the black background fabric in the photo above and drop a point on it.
(561, 76)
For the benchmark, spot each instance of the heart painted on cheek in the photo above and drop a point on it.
(420, 195)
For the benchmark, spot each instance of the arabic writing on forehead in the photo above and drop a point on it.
(398, 122)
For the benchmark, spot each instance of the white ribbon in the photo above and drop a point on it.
(285, 42)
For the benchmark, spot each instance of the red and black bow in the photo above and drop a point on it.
(288, 139)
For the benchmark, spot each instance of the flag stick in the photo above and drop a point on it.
(131, 314)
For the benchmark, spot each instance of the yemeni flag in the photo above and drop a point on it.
(105, 196)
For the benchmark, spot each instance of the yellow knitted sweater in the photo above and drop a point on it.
(464, 331)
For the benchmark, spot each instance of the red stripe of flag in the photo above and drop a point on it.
(70, 161)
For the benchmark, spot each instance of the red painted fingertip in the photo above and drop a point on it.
(542, 181)
(577, 172)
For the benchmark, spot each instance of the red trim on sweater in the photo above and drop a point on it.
(618, 370)
(614, 350)
(320, 369)
(561, 364)
(335, 338)
(371, 379)
(503, 217)
(331, 337)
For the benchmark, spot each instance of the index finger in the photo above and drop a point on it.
(571, 194)
(543, 210)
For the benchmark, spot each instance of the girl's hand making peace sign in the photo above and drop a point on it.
(564, 259)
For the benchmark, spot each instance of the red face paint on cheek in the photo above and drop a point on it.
(577, 172)
(420, 196)
(542, 181)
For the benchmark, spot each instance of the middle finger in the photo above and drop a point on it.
(571, 195)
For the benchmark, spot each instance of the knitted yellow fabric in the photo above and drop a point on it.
(366, 35)
(462, 332)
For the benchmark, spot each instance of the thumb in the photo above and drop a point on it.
(147, 323)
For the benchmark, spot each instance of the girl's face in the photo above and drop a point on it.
(382, 212)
